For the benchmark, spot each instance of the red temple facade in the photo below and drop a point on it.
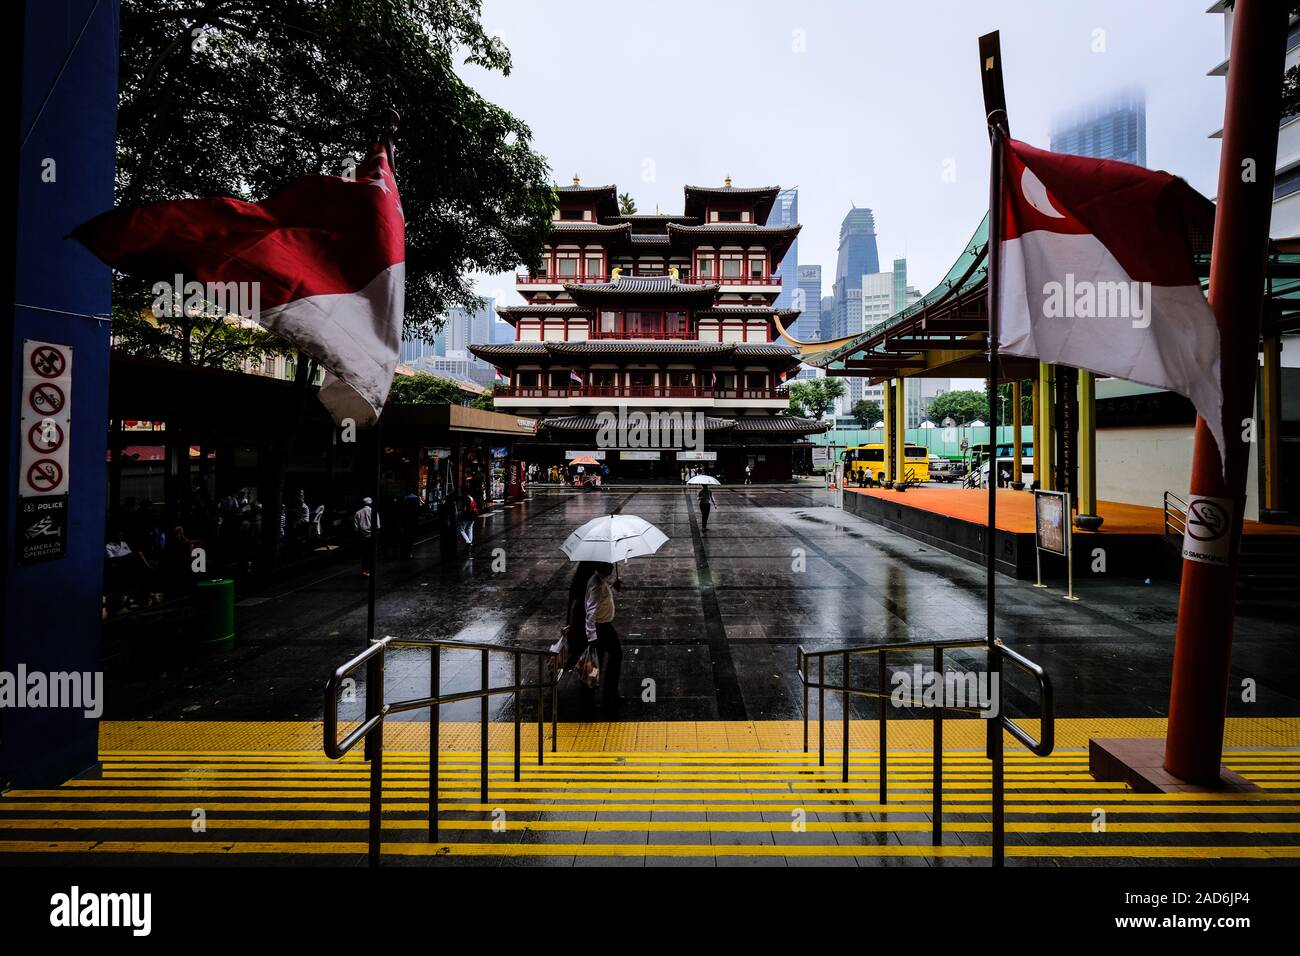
(657, 314)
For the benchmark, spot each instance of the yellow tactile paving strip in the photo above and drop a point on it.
(658, 736)
(294, 806)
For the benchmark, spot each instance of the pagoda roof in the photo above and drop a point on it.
(762, 425)
(559, 309)
(510, 354)
(641, 287)
(562, 227)
(605, 197)
(776, 239)
(763, 198)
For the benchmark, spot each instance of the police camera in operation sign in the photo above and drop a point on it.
(45, 428)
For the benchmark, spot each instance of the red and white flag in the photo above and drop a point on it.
(1097, 273)
(325, 254)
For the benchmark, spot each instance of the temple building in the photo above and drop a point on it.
(671, 314)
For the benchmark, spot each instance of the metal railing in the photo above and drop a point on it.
(371, 728)
(1041, 747)
(636, 391)
(1175, 514)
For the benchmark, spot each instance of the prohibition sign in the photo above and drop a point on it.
(45, 475)
(37, 436)
(1206, 520)
(46, 398)
(48, 362)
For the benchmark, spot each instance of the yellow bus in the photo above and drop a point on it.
(869, 461)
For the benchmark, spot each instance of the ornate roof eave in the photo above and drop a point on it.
(763, 197)
(776, 239)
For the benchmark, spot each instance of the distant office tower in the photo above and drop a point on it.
(809, 298)
(413, 350)
(857, 257)
(1113, 127)
(456, 364)
(827, 319)
(785, 212)
(502, 331)
(463, 328)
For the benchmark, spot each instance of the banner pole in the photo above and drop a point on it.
(1206, 604)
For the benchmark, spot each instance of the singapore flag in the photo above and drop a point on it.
(1097, 273)
(325, 257)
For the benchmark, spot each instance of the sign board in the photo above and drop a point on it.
(44, 433)
(1051, 521)
(1208, 530)
(45, 419)
(598, 455)
(639, 455)
(437, 453)
(42, 528)
(698, 455)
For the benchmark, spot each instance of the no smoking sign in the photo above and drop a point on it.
(45, 419)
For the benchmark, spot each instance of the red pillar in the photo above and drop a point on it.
(1206, 606)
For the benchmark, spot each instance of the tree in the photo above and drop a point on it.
(815, 396)
(206, 338)
(626, 204)
(867, 412)
(485, 402)
(229, 97)
(961, 406)
(423, 388)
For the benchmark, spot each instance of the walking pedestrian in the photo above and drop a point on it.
(468, 509)
(706, 505)
(591, 621)
(366, 524)
(749, 473)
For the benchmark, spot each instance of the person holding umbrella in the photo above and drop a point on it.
(706, 483)
(591, 622)
(596, 547)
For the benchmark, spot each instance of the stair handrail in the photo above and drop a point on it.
(371, 728)
(1041, 747)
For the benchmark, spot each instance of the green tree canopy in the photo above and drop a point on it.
(626, 204)
(961, 406)
(229, 97)
(815, 396)
(867, 412)
(425, 389)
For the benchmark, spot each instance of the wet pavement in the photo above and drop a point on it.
(709, 625)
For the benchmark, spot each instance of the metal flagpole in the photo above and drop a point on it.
(995, 111)
(390, 129)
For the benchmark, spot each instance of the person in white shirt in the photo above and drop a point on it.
(591, 621)
(366, 523)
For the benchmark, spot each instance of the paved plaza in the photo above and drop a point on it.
(713, 619)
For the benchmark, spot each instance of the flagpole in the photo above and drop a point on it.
(995, 111)
(390, 129)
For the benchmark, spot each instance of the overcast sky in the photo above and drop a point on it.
(854, 102)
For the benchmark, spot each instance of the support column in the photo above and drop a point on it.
(887, 438)
(1045, 467)
(1087, 518)
(1017, 423)
(1271, 438)
(1206, 606)
(900, 430)
(1036, 419)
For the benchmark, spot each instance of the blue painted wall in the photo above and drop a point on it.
(68, 107)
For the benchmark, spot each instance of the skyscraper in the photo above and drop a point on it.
(857, 257)
(785, 212)
(1113, 127)
(809, 298)
(827, 318)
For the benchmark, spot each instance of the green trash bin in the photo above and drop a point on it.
(214, 614)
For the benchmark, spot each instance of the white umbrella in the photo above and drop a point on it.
(613, 538)
(703, 480)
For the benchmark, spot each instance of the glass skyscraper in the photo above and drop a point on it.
(1114, 127)
(857, 257)
(785, 212)
(809, 324)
